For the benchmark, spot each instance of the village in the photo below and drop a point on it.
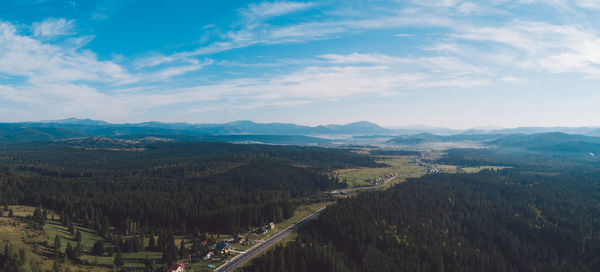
(434, 170)
(382, 178)
(211, 252)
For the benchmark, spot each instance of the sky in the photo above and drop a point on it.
(447, 63)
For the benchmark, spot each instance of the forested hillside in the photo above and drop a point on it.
(111, 185)
(489, 221)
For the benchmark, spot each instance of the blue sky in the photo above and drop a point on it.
(448, 63)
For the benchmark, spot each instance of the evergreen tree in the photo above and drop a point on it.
(78, 236)
(98, 248)
(105, 227)
(78, 251)
(118, 259)
(170, 250)
(57, 246)
(195, 245)
(69, 252)
(149, 265)
(151, 243)
(182, 249)
(10, 213)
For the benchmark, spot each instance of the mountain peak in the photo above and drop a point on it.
(77, 121)
(363, 124)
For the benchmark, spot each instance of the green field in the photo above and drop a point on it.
(38, 244)
(479, 168)
(405, 166)
(395, 164)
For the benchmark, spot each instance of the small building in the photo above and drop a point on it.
(270, 225)
(177, 267)
(262, 230)
(206, 255)
(238, 239)
(223, 247)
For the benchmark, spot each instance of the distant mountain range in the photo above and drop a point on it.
(552, 142)
(276, 133)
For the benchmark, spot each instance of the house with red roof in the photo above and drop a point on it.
(176, 267)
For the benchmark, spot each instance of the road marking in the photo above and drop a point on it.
(258, 248)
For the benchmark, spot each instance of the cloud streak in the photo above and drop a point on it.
(267, 10)
(53, 27)
(43, 63)
(544, 47)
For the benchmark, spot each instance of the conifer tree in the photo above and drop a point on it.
(57, 246)
(78, 236)
(118, 259)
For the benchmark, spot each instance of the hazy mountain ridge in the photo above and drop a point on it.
(272, 133)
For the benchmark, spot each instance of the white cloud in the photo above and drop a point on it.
(543, 46)
(355, 58)
(592, 4)
(53, 27)
(173, 71)
(272, 9)
(342, 79)
(436, 3)
(152, 61)
(45, 63)
(310, 31)
(511, 79)
(445, 65)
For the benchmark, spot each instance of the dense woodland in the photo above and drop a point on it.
(541, 214)
(508, 220)
(132, 188)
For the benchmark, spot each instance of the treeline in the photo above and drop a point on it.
(526, 160)
(385, 152)
(489, 221)
(116, 188)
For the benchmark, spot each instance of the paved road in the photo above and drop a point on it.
(345, 191)
(243, 257)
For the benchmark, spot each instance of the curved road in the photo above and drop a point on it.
(241, 258)
(258, 248)
(345, 191)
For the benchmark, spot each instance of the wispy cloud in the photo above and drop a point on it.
(543, 46)
(45, 63)
(592, 4)
(173, 71)
(267, 10)
(443, 64)
(54, 27)
(310, 31)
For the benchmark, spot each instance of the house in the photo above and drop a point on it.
(270, 225)
(206, 255)
(239, 239)
(223, 247)
(177, 267)
(262, 230)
